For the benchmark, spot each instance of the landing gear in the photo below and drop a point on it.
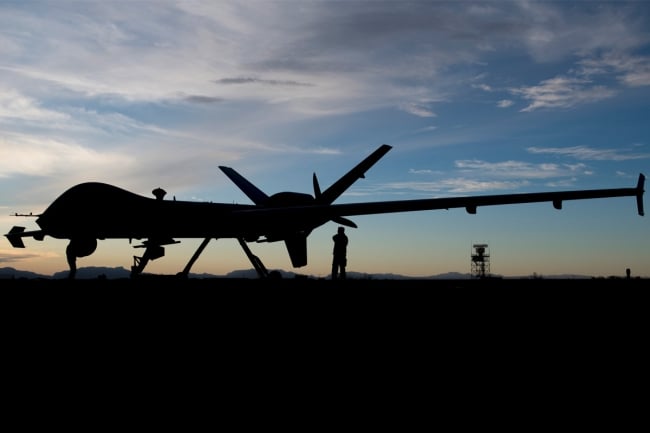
(151, 253)
(184, 273)
(156, 250)
(257, 263)
(72, 261)
(262, 272)
(153, 250)
(78, 247)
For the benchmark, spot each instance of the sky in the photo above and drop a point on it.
(475, 98)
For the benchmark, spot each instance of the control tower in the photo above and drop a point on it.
(480, 261)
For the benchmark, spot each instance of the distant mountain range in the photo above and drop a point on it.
(95, 272)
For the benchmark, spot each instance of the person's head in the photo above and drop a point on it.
(341, 230)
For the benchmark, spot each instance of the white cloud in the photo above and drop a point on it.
(482, 176)
(453, 186)
(17, 106)
(552, 33)
(483, 87)
(588, 153)
(633, 71)
(415, 171)
(419, 110)
(513, 169)
(562, 92)
(45, 157)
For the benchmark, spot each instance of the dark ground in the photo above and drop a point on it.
(575, 310)
(172, 282)
(602, 297)
(524, 355)
(449, 304)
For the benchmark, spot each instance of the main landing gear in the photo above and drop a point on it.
(155, 250)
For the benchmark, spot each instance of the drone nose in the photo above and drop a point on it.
(43, 221)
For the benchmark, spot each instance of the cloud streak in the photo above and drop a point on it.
(562, 92)
(589, 154)
(47, 157)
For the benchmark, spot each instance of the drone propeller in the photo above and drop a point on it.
(336, 219)
(317, 192)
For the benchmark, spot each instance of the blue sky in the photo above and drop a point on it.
(491, 97)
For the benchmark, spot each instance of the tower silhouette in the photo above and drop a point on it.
(480, 261)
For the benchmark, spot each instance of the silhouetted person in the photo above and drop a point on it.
(628, 273)
(72, 262)
(339, 259)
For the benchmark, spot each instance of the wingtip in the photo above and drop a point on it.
(639, 195)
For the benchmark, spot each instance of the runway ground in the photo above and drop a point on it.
(551, 355)
(479, 297)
